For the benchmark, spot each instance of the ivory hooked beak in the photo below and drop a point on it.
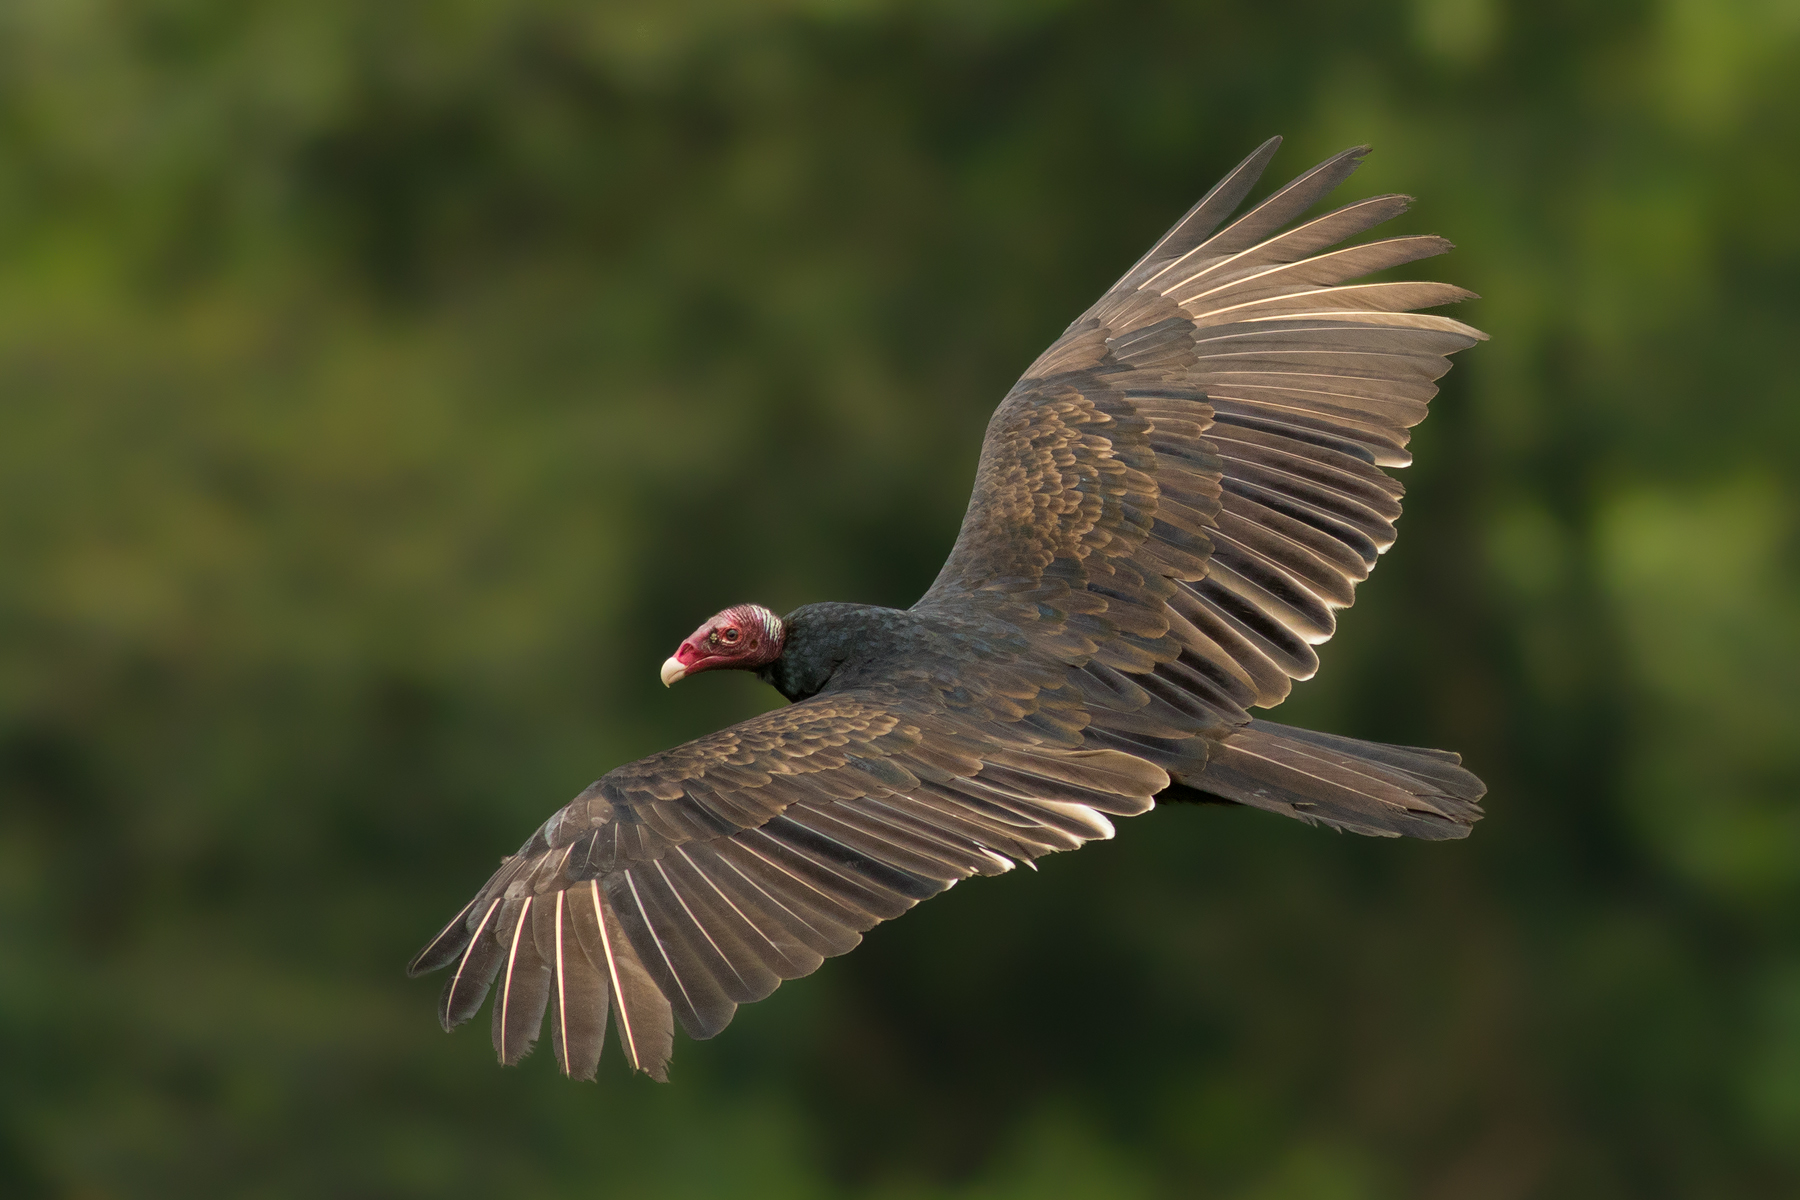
(672, 670)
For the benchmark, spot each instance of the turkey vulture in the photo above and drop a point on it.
(1168, 507)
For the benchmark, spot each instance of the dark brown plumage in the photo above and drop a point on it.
(1169, 506)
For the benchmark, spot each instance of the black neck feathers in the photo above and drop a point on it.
(831, 645)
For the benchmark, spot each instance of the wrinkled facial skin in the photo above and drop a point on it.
(743, 637)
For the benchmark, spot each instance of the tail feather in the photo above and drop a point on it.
(1364, 787)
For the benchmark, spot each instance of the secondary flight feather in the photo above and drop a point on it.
(1169, 507)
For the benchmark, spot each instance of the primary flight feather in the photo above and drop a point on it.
(1168, 508)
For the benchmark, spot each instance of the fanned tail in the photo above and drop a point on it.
(1364, 787)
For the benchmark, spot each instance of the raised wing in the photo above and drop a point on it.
(689, 882)
(1189, 482)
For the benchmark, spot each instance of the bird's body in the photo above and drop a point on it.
(1169, 506)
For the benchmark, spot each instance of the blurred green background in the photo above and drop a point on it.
(386, 388)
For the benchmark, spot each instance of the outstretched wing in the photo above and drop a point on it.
(1189, 482)
(692, 881)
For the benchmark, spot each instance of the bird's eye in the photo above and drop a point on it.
(730, 635)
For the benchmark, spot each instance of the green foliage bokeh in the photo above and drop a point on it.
(385, 389)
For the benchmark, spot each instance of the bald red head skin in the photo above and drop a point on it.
(743, 637)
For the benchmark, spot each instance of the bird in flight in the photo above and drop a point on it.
(1167, 509)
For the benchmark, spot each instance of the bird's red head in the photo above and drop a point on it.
(743, 637)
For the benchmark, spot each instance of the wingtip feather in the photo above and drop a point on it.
(443, 949)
